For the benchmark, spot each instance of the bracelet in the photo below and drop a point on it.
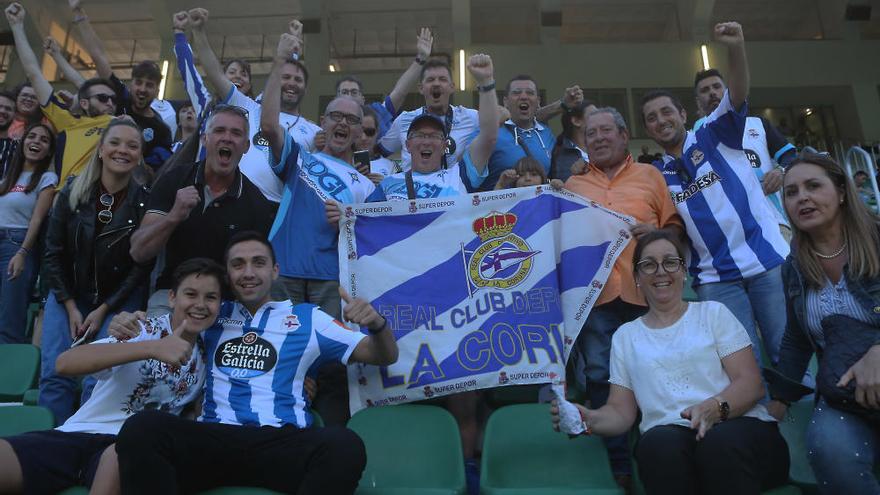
(25, 250)
(420, 61)
(486, 87)
(379, 330)
(563, 106)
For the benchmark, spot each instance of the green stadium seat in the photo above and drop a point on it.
(523, 455)
(22, 419)
(794, 430)
(411, 449)
(31, 397)
(19, 370)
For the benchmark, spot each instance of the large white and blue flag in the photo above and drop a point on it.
(481, 290)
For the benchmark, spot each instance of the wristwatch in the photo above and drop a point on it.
(723, 407)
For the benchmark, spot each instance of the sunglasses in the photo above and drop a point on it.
(105, 216)
(104, 98)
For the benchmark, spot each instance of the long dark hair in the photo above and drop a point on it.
(16, 165)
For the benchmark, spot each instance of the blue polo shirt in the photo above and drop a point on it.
(539, 140)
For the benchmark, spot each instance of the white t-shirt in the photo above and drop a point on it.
(465, 124)
(670, 369)
(16, 206)
(256, 164)
(165, 110)
(129, 388)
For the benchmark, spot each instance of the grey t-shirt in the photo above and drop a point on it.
(16, 206)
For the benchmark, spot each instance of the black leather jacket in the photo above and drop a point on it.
(72, 249)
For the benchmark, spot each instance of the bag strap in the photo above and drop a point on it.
(410, 186)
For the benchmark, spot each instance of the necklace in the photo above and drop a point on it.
(830, 256)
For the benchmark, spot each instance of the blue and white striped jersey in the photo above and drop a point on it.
(257, 364)
(734, 232)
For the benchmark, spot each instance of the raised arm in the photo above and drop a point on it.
(481, 69)
(15, 14)
(186, 66)
(411, 76)
(71, 74)
(572, 97)
(730, 34)
(90, 40)
(214, 75)
(288, 45)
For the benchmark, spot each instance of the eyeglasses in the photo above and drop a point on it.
(103, 97)
(350, 92)
(105, 216)
(434, 136)
(349, 118)
(650, 267)
(369, 132)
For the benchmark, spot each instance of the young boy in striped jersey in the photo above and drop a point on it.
(254, 427)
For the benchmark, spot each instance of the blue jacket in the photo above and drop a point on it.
(798, 344)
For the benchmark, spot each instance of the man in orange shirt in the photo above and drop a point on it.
(617, 182)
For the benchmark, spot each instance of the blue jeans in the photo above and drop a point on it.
(15, 294)
(594, 343)
(843, 449)
(760, 298)
(58, 393)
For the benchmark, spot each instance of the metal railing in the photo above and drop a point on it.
(857, 159)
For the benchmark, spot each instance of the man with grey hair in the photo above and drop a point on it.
(195, 209)
(614, 180)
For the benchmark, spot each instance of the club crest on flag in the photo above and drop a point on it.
(504, 259)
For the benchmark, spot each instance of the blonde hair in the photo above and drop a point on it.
(84, 185)
(860, 228)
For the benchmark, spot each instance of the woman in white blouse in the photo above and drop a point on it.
(689, 368)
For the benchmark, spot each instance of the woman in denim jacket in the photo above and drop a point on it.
(834, 269)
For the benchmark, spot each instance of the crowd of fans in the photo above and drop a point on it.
(184, 228)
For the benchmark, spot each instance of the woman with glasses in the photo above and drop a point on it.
(689, 369)
(832, 284)
(87, 263)
(25, 198)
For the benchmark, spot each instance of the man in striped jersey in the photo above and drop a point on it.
(736, 246)
(254, 429)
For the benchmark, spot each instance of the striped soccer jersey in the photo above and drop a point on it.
(257, 364)
(733, 231)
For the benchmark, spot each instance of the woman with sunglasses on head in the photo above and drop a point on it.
(25, 198)
(87, 263)
(832, 283)
(690, 370)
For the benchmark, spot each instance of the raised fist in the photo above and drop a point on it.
(481, 69)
